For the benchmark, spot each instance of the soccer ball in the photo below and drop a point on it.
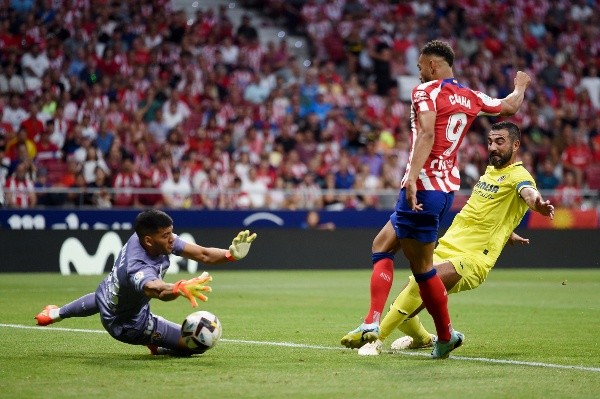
(201, 331)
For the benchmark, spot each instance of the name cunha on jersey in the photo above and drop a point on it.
(456, 99)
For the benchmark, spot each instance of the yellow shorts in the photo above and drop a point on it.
(471, 268)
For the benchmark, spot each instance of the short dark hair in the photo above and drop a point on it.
(150, 221)
(440, 49)
(513, 130)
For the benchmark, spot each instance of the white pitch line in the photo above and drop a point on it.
(305, 346)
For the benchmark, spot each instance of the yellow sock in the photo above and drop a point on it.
(414, 328)
(405, 304)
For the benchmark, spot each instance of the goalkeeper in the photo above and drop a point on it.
(469, 249)
(123, 297)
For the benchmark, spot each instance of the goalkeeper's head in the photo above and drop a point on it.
(154, 229)
(150, 221)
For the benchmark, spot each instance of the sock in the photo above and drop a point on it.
(55, 314)
(405, 304)
(381, 283)
(414, 328)
(435, 298)
(80, 307)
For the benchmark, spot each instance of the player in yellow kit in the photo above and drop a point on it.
(467, 252)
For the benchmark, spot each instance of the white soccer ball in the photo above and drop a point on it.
(201, 331)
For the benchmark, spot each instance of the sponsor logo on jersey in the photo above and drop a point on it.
(492, 188)
(419, 95)
(501, 178)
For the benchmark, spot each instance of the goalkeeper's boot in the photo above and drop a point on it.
(371, 348)
(361, 335)
(408, 342)
(441, 350)
(48, 315)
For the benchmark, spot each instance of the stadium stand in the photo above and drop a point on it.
(298, 87)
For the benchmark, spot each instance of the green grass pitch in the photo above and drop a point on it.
(529, 334)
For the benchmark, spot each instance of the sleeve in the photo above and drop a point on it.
(489, 105)
(524, 179)
(178, 247)
(421, 100)
(139, 274)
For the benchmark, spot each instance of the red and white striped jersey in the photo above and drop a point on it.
(456, 107)
(20, 189)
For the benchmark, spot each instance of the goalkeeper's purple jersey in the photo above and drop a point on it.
(120, 296)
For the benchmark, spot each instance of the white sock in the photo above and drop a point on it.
(54, 314)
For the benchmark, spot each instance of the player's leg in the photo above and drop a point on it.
(166, 339)
(434, 296)
(407, 303)
(384, 246)
(81, 307)
(416, 335)
(432, 290)
(417, 231)
(403, 313)
(161, 336)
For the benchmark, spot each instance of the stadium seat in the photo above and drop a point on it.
(56, 170)
(592, 176)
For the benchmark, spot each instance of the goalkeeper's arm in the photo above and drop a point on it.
(191, 289)
(239, 248)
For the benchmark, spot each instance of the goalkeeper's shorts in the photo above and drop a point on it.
(153, 330)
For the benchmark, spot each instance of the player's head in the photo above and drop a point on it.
(435, 61)
(504, 140)
(155, 231)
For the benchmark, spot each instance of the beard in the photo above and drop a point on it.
(500, 160)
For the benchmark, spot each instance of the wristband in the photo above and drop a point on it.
(176, 287)
(229, 256)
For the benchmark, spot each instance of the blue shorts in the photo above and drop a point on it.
(423, 225)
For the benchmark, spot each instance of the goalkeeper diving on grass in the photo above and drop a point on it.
(468, 251)
(123, 297)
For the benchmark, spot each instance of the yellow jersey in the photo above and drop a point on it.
(494, 209)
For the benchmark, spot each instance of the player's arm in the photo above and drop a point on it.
(423, 146)
(512, 102)
(534, 201)
(516, 239)
(160, 289)
(239, 248)
(191, 289)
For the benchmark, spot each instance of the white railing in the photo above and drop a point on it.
(383, 199)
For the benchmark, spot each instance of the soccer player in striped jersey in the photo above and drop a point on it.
(471, 246)
(442, 111)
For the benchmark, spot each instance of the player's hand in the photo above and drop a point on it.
(544, 207)
(194, 288)
(515, 239)
(411, 196)
(240, 245)
(522, 80)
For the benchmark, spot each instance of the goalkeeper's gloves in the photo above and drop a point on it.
(240, 245)
(193, 288)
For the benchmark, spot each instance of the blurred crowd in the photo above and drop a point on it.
(134, 103)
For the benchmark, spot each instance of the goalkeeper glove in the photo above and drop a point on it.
(193, 288)
(240, 245)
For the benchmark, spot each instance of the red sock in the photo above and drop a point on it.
(381, 284)
(435, 299)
